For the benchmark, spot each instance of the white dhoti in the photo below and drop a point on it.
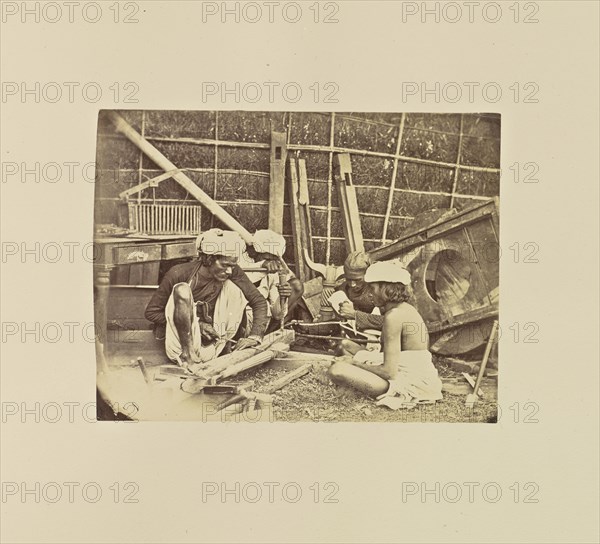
(229, 310)
(417, 381)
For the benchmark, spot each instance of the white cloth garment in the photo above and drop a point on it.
(267, 287)
(417, 381)
(229, 310)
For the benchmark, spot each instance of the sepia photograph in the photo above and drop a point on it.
(252, 259)
(297, 266)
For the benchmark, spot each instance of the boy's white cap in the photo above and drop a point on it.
(221, 242)
(388, 271)
(268, 241)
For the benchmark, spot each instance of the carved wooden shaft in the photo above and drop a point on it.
(283, 301)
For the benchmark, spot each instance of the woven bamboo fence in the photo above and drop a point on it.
(403, 165)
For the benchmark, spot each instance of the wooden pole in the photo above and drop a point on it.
(330, 187)
(304, 209)
(472, 397)
(296, 223)
(457, 167)
(326, 149)
(348, 204)
(283, 301)
(388, 210)
(277, 183)
(272, 387)
(288, 378)
(159, 159)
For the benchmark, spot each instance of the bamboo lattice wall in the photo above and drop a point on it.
(403, 165)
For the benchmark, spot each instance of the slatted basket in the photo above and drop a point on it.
(164, 217)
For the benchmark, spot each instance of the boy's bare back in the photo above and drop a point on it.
(414, 335)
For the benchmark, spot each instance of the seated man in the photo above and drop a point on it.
(361, 303)
(267, 252)
(403, 374)
(202, 302)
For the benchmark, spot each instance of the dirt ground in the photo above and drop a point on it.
(314, 398)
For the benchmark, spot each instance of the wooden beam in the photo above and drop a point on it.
(388, 210)
(415, 239)
(322, 149)
(149, 183)
(296, 225)
(348, 204)
(277, 183)
(325, 149)
(272, 387)
(288, 378)
(457, 167)
(329, 187)
(163, 162)
(305, 219)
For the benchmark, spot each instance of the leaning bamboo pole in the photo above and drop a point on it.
(388, 209)
(323, 149)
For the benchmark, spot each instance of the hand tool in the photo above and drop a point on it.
(472, 397)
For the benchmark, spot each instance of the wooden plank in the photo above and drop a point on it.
(296, 225)
(219, 364)
(136, 274)
(388, 209)
(468, 317)
(313, 290)
(121, 274)
(348, 204)
(150, 273)
(179, 250)
(487, 208)
(288, 378)
(271, 388)
(459, 340)
(137, 253)
(304, 212)
(126, 305)
(277, 180)
(149, 183)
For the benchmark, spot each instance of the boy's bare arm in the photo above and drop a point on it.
(392, 346)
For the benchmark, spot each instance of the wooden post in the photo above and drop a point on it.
(305, 219)
(277, 183)
(348, 204)
(296, 225)
(388, 209)
(457, 168)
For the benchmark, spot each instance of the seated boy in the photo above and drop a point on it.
(403, 374)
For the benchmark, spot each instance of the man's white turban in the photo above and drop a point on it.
(388, 271)
(221, 242)
(267, 241)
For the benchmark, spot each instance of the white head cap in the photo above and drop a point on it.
(268, 241)
(388, 271)
(221, 242)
